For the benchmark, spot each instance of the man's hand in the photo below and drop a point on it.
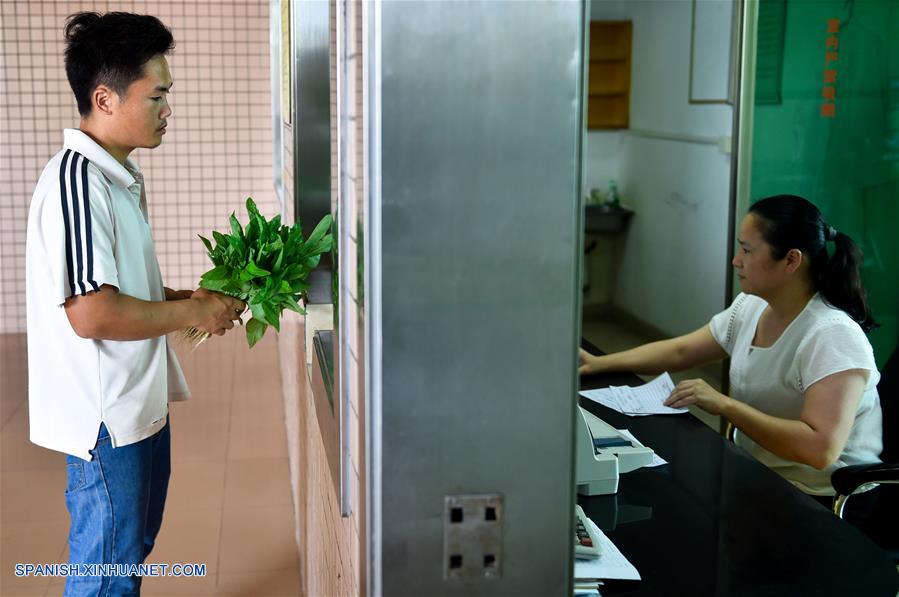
(698, 392)
(218, 311)
(177, 295)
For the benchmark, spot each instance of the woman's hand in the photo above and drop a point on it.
(589, 364)
(698, 392)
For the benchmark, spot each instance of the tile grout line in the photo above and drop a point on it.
(218, 553)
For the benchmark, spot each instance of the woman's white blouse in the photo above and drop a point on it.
(821, 341)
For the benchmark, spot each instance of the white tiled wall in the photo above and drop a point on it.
(216, 153)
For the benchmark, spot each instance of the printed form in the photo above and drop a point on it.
(637, 401)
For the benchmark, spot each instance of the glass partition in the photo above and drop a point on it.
(831, 134)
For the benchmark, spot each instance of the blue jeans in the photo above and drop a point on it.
(115, 502)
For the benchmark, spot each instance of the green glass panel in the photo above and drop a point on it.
(834, 136)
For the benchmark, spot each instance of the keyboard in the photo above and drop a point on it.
(586, 543)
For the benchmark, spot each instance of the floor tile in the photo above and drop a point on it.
(17, 422)
(189, 537)
(29, 543)
(257, 539)
(253, 437)
(199, 431)
(17, 453)
(13, 374)
(33, 496)
(275, 583)
(22, 587)
(196, 485)
(235, 512)
(257, 482)
(196, 586)
(57, 586)
(10, 403)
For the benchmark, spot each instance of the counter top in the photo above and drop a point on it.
(714, 521)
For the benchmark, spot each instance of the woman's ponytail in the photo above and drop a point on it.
(791, 222)
(840, 283)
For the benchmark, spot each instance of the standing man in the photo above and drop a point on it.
(101, 371)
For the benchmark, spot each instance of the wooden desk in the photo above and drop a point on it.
(714, 521)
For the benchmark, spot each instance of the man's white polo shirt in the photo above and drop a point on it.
(88, 226)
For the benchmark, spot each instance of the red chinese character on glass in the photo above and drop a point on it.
(828, 110)
(829, 93)
(833, 42)
(833, 25)
(830, 76)
(830, 57)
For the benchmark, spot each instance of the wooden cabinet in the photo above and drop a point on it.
(609, 76)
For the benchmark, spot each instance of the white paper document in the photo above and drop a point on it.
(640, 400)
(656, 459)
(610, 565)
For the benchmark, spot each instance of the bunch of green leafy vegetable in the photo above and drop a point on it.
(265, 264)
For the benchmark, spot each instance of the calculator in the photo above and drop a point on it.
(586, 543)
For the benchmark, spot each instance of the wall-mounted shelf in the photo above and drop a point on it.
(609, 86)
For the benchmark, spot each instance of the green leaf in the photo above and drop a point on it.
(215, 285)
(251, 207)
(279, 260)
(236, 230)
(220, 239)
(252, 232)
(292, 304)
(323, 226)
(256, 270)
(256, 309)
(235, 243)
(255, 331)
(220, 272)
(206, 242)
(272, 316)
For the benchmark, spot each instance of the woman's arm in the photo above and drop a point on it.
(816, 439)
(674, 354)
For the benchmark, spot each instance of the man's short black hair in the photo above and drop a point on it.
(111, 50)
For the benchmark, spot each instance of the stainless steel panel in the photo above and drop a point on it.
(480, 237)
(327, 406)
(312, 127)
(371, 363)
(311, 21)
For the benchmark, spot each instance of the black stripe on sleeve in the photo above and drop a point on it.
(89, 241)
(65, 221)
(76, 222)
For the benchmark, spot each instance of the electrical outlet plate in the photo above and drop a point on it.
(472, 536)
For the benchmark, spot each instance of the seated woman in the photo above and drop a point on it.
(802, 374)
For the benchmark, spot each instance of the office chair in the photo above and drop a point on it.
(881, 523)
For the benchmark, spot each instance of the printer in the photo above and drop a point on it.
(603, 453)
